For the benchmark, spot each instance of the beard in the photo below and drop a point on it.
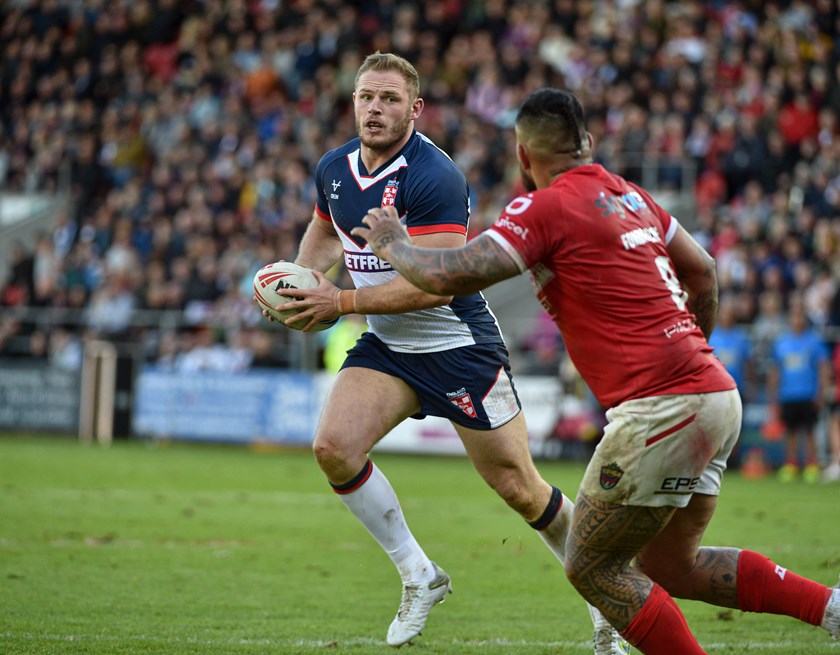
(387, 137)
(527, 180)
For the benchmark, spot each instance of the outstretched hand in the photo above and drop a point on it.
(383, 230)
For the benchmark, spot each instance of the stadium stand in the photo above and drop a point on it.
(184, 135)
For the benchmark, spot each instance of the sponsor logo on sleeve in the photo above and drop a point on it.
(508, 225)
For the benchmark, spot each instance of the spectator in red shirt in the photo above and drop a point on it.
(798, 120)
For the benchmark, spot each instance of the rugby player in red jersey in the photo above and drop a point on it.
(635, 298)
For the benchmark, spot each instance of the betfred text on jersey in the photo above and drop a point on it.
(365, 262)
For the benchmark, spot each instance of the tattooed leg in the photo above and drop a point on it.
(602, 544)
(600, 564)
(675, 560)
(712, 579)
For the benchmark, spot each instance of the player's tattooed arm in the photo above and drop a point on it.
(451, 271)
(443, 271)
(696, 271)
(704, 305)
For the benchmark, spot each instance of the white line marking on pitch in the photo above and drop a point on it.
(366, 641)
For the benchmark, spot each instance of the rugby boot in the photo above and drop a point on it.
(417, 601)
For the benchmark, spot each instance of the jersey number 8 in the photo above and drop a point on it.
(678, 294)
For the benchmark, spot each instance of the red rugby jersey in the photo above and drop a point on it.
(594, 245)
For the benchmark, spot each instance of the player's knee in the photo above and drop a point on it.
(328, 453)
(579, 568)
(668, 572)
(672, 570)
(339, 459)
(651, 569)
(574, 572)
(514, 492)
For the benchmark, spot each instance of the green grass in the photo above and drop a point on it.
(143, 548)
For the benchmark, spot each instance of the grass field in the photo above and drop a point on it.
(143, 548)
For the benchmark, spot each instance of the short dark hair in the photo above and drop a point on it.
(556, 116)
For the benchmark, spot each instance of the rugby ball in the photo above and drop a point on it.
(279, 276)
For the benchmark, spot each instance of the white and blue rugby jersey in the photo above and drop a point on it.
(431, 196)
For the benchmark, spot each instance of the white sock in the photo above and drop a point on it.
(376, 505)
(554, 535)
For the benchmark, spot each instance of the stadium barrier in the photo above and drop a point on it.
(36, 397)
(282, 408)
(115, 394)
(278, 407)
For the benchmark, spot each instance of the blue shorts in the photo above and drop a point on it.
(471, 386)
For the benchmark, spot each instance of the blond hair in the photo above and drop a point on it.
(386, 61)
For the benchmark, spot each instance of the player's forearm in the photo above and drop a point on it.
(415, 265)
(704, 306)
(320, 247)
(452, 271)
(696, 271)
(702, 288)
(396, 297)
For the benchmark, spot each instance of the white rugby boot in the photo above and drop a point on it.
(831, 473)
(608, 642)
(831, 618)
(417, 601)
(606, 639)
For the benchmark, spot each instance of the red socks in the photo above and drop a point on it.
(660, 628)
(764, 586)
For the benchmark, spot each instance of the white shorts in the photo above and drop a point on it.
(658, 451)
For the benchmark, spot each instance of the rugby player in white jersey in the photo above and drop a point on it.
(635, 298)
(423, 354)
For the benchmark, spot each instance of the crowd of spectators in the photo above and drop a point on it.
(189, 131)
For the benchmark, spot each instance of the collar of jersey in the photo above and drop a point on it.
(365, 181)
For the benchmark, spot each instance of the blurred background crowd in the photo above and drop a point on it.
(184, 135)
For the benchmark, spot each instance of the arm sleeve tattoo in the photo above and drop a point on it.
(453, 271)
